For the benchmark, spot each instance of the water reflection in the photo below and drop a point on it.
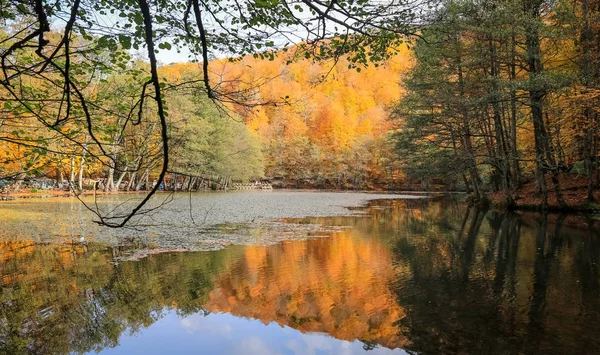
(424, 277)
(338, 286)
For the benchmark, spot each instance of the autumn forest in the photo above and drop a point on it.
(299, 176)
(498, 99)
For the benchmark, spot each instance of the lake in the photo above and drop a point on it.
(297, 273)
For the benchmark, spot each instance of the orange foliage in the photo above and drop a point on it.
(335, 111)
(338, 286)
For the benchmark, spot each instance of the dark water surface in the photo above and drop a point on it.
(410, 276)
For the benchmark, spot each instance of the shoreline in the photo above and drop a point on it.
(43, 194)
(573, 191)
(534, 204)
(526, 201)
(53, 193)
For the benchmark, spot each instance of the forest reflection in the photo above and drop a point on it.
(427, 277)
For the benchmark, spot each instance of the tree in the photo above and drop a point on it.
(208, 143)
(503, 87)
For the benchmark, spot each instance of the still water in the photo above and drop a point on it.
(403, 276)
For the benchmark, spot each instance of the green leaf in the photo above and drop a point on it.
(125, 41)
(138, 19)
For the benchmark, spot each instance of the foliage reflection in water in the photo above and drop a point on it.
(425, 277)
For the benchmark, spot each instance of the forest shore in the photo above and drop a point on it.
(574, 192)
(50, 193)
(526, 198)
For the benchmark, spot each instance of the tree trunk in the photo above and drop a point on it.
(131, 181)
(502, 154)
(109, 184)
(544, 156)
(466, 139)
(81, 169)
(514, 156)
(118, 184)
(141, 181)
(72, 175)
(589, 143)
